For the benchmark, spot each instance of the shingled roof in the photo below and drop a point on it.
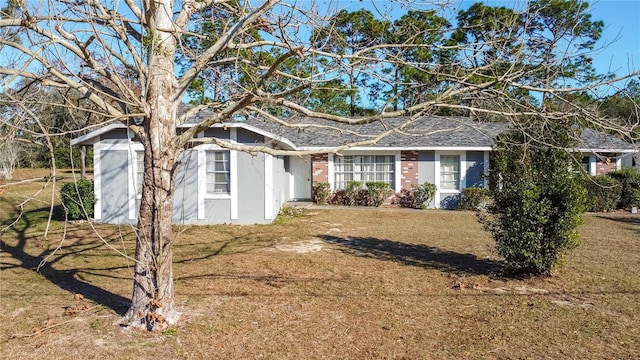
(422, 133)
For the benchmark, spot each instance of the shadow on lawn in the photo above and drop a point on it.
(67, 279)
(632, 220)
(417, 255)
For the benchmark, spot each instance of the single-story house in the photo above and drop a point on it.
(217, 185)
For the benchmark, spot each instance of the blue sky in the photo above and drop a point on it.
(622, 31)
(619, 46)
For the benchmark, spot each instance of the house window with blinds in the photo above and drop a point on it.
(217, 172)
(450, 172)
(378, 168)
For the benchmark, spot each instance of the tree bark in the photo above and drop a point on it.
(153, 306)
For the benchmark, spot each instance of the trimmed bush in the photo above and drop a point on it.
(377, 192)
(354, 194)
(352, 190)
(78, 199)
(629, 179)
(321, 193)
(537, 201)
(474, 198)
(603, 193)
(339, 197)
(362, 198)
(418, 197)
(345, 197)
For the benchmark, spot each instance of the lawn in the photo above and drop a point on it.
(338, 283)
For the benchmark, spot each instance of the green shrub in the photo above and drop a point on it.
(321, 193)
(352, 190)
(629, 179)
(424, 194)
(339, 197)
(474, 199)
(373, 195)
(418, 197)
(78, 199)
(603, 193)
(345, 197)
(362, 198)
(377, 192)
(537, 201)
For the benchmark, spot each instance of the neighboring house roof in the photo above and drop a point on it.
(601, 142)
(421, 134)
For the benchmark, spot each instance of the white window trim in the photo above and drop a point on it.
(97, 183)
(268, 186)
(135, 173)
(592, 165)
(233, 174)
(131, 179)
(221, 194)
(330, 173)
(202, 180)
(133, 193)
(397, 169)
(397, 163)
(463, 175)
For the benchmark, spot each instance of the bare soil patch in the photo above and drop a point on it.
(302, 247)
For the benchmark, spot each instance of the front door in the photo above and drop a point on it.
(301, 173)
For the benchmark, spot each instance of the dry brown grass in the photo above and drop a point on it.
(341, 283)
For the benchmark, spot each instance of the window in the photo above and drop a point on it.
(139, 171)
(379, 168)
(450, 172)
(586, 164)
(217, 172)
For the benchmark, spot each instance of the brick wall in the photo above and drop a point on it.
(320, 168)
(409, 169)
(605, 162)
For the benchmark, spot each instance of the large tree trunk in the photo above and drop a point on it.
(153, 305)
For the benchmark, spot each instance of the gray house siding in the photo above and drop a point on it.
(280, 185)
(114, 178)
(219, 133)
(427, 167)
(119, 134)
(185, 200)
(116, 154)
(217, 211)
(474, 169)
(251, 188)
(249, 138)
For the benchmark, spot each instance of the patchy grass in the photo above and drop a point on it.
(340, 283)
